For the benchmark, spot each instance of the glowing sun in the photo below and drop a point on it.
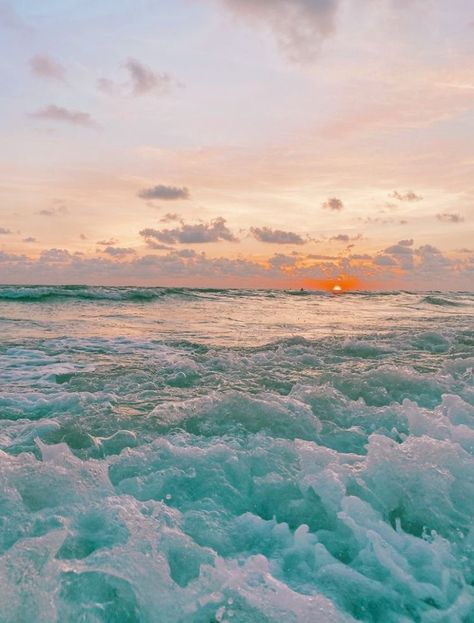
(337, 285)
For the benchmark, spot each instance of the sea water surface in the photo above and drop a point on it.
(202, 456)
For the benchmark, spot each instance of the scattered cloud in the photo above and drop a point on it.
(107, 243)
(276, 236)
(402, 254)
(299, 25)
(55, 255)
(384, 260)
(64, 115)
(58, 210)
(334, 204)
(29, 240)
(4, 231)
(82, 236)
(431, 261)
(318, 256)
(282, 262)
(9, 18)
(142, 80)
(450, 217)
(119, 251)
(165, 193)
(45, 66)
(157, 246)
(107, 86)
(185, 253)
(346, 238)
(379, 220)
(392, 268)
(409, 196)
(214, 231)
(169, 217)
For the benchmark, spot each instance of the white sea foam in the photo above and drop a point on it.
(198, 476)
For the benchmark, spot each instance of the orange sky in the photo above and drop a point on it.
(222, 142)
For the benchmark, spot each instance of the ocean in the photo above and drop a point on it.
(235, 456)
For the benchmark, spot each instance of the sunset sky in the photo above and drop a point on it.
(239, 143)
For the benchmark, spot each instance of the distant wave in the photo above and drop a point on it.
(43, 293)
(441, 301)
(38, 294)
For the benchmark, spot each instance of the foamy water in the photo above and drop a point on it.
(184, 456)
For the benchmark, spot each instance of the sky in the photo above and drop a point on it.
(238, 143)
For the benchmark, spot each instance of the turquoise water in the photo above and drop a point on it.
(234, 456)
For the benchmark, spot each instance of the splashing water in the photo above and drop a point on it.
(190, 456)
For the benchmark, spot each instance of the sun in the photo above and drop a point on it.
(336, 285)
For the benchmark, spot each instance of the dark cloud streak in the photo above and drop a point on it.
(276, 236)
(64, 115)
(165, 193)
